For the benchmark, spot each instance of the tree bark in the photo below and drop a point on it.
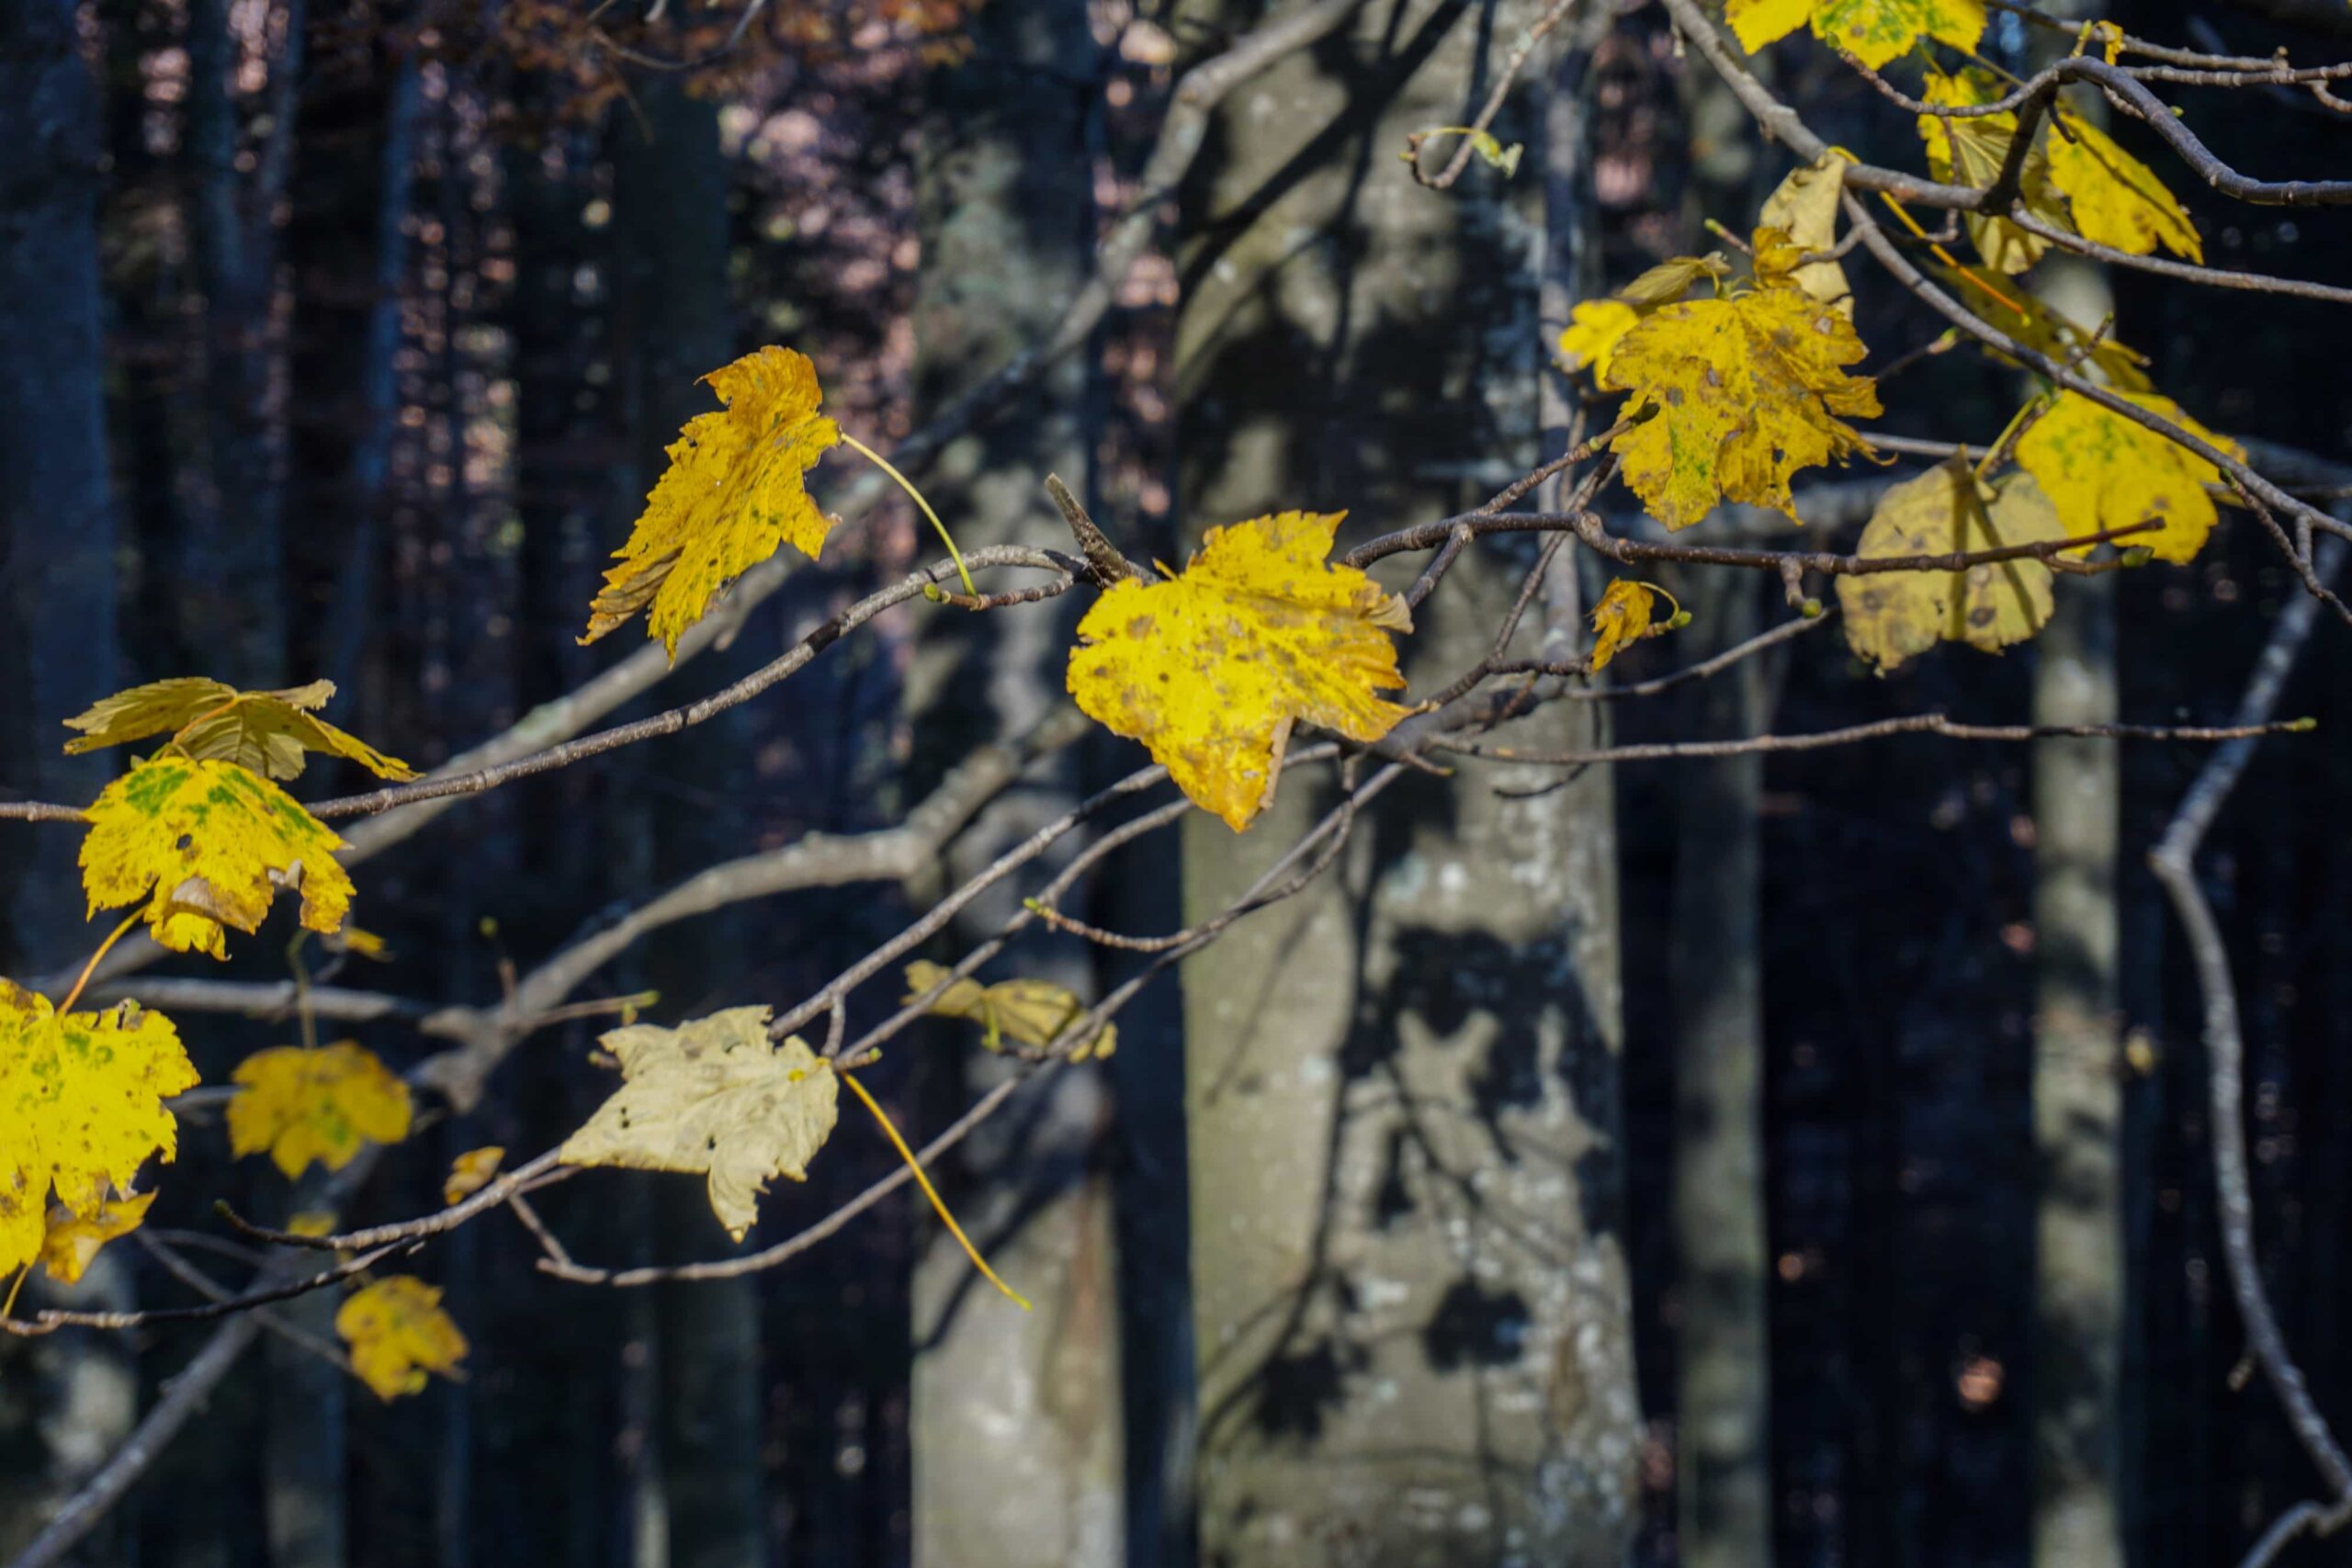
(1015, 1420)
(1411, 1300)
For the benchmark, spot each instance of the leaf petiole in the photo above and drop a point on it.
(880, 461)
(87, 970)
(940, 1204)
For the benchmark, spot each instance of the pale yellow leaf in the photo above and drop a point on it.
(1745, 391)
(398, 1333)
(1670, 279)
(2104, 471)
(1894, 615)
(1210, 669)
(265, 731)
(1029, 1012)
(735, 492)
(208, 844)
(715, 1096)
(1805, 209)
(81, 1110)
(325, 1105)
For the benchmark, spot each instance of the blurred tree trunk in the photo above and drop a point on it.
(66, 1403)
(671, 187)
(1399, 1367)
(1723, 1462)
(1722, 1345)
(1015, 1420)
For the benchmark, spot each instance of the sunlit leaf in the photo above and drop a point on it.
(471, 1172)
(1209, 670)
(208, 844)
(1596, 327)
(2116, 199)
(265, 731)
(1873, 31)
(1971, 150)
(81, 1110)
(74, 1241)
(398, 1333)
(1670, 279)
(325, 1105)
(736, 490)
(1803, 209)
(2103, 471)
(1894, 616)
(1028, 1012)
(714, 1096)
(1623, 617)
(1744, 390)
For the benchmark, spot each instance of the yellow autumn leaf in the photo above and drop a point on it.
(1029, 1012)
(713, 1096)
(736, 490)
(1971, 151)
(2116, 199)
(325, 1105)
(1873, 31)
(1894, 616)
(1802, 210)
(398, 1333)
(1595, 327)
(1670, 279)
(265, 731)
(1623, 617)
(208, 844)
(2031, 320)
(2104, 471)
(312, 1223)
(81, 1110)
(74, 1240)
(1744, 390)
(1210, 669)
(471, 1172)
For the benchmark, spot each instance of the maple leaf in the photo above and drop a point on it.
(2116, 199)
(1971, 151)
(265, 731)
(1803, 211)
(211, 842)
(2032, 321)
(1210, 669)
(1893, 615)
(73, 1241)
(81, 1110)
(713, 1096)
(325, 1105)
(1745, 391)
(1873, 31)
(2104, 471)
(1031, 1012)
(1595, 328)
(398, 1333)
(1623, 617)
(735, 492)
(472, 1171)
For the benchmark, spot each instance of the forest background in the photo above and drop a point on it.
(1795, 1154)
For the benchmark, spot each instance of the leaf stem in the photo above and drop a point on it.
(9, 1306)
(87, 970)
(906, 484)
(930, 1191)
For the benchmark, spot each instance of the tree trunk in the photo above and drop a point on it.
(67, 1401)
(1411, 1299)
(1015, 1421)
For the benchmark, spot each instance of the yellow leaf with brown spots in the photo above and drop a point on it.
(1210, 669)
(208, 844)
(736, 490)
(1743, 391)
(81, 1110)
(1894, 616)
(2104, 471)
(398, 1333)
